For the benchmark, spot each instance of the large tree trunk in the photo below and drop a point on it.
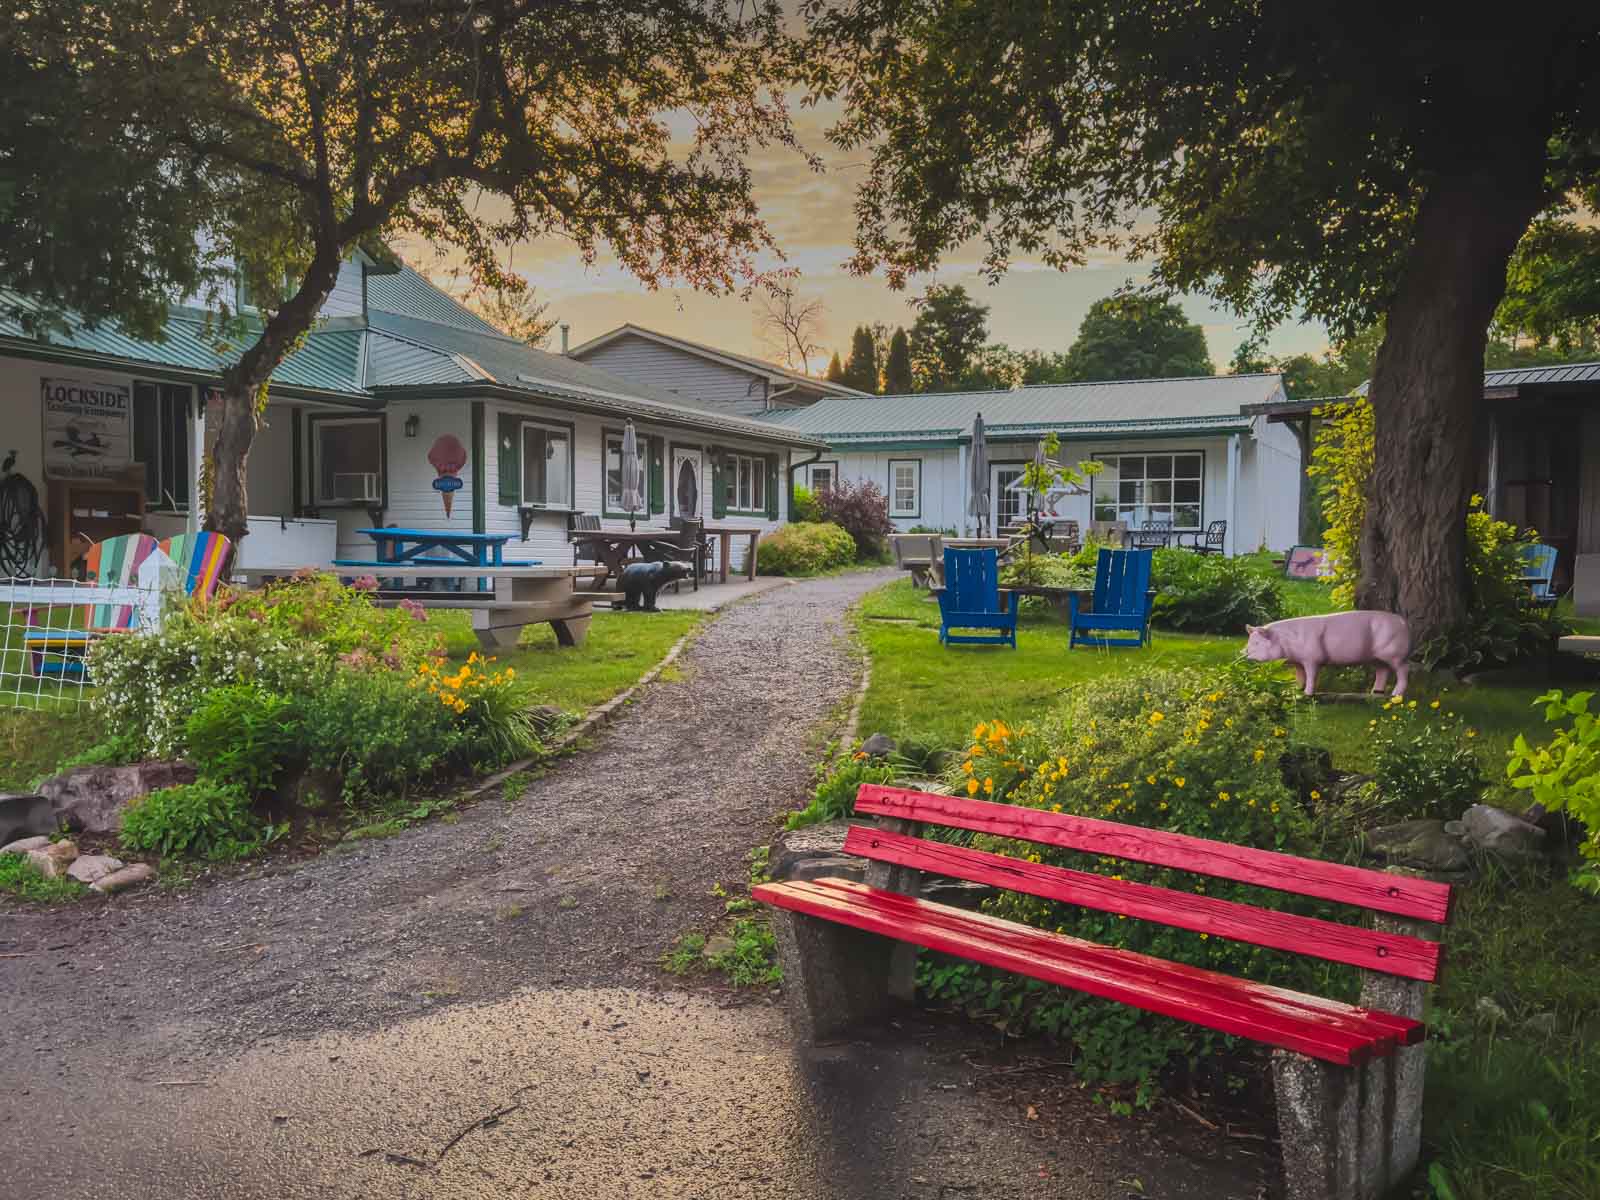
(244, 394)
(1427, 384)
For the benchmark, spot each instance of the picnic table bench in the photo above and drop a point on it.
(517, 596)
(1348, 1078)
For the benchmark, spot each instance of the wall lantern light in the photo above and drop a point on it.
(413, 423)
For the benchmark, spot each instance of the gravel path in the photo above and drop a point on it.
(583, 879)
(326, 1029)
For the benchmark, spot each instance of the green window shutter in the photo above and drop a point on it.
(658, 476)
(719, 486)
(772, 487)
(509, 448)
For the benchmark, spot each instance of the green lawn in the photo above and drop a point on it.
(930, 694)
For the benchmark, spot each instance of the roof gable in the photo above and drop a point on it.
(753, 366)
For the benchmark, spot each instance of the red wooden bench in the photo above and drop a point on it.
(1348, 1077)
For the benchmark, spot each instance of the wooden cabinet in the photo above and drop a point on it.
(82, 512)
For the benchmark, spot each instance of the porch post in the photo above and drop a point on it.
(961, 452)
(197, 454)
(1233, 495)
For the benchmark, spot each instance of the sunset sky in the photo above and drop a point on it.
(1034, 307)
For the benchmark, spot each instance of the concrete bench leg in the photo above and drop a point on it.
(834, 977)
(572, 631)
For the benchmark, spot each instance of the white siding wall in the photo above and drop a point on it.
(689, 375)
(1264, 508)
(344, 301)
(547, 536)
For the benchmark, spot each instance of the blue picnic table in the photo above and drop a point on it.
(398, 547)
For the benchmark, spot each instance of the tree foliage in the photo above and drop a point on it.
(835, 371)
(327, 125)
(947, 339)
(897, 374)
(1133, 336)
(1348, 164)
(861, 368)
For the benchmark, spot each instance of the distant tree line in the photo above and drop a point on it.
(947, 349)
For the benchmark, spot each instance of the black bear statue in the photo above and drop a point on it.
(641, 582)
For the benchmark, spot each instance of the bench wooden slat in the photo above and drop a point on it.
(1392, 953)
(1318, 1028)
(1416, 898)
(1382, 1029)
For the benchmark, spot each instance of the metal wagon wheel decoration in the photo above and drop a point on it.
(22, 525)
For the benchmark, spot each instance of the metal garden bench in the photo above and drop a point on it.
(1348, 1077)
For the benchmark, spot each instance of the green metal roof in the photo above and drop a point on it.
(1202, 404)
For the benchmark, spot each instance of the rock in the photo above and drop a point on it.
(53, 860)
(1421, 843)
(1456, 828)
(23, 845)
(815, 852)
(126, 878)
(91, 799)
(879, 745)
(1489, 1010)
(24, 816)
(546, 716)
(1506, 836)
(88, 868)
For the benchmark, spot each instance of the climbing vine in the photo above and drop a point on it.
(1341, 457)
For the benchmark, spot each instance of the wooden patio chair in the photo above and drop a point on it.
(970, 598)
(1122, 602)
(199, 558)
(114, 562)
(1539, 573)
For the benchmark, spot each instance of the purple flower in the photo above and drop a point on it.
(365, 583)
(418, 613)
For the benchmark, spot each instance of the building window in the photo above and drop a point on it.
(905, 487)
(745, 483)
(546, 465)
(1150, 487)
(614, 475)
(161, 443)
(348, 452)
(823, 475)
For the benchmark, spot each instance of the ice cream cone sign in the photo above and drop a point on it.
(447, 456)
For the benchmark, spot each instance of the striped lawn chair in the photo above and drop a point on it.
(114, 562)
(199, 557)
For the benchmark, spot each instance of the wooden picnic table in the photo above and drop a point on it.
(726, 534)
(430, 546)
(613, 548)
(519, 596)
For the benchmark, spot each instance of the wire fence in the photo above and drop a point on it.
(46, 629)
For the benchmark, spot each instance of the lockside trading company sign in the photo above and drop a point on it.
(87, 428)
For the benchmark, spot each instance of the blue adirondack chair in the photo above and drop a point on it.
(970, 599)
(1121, 602)
(1539, 572)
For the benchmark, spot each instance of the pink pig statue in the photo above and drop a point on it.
(1343, 639)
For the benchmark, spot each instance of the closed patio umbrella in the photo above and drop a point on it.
(978, 475)
(632, 474)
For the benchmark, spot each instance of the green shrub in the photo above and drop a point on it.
(1424, 762)
(1209, 593)
(1564, 775)
(243, 734)
(862, 511)
(1341, 462)
(19, 877)
(379, 732)
(1047, 570)
(1500, 625)
(805, 550)
(200, 820)
(834, 797)
(1191, 752)
(804, 508)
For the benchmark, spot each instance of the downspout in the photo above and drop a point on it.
(793, 467)
(776, 395)
(1233, 495)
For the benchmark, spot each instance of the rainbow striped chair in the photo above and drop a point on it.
(114, 562)
(199, 557)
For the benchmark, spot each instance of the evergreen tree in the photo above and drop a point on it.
(947, 338)
(897, 367)
(835, 372)
(861, 368)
